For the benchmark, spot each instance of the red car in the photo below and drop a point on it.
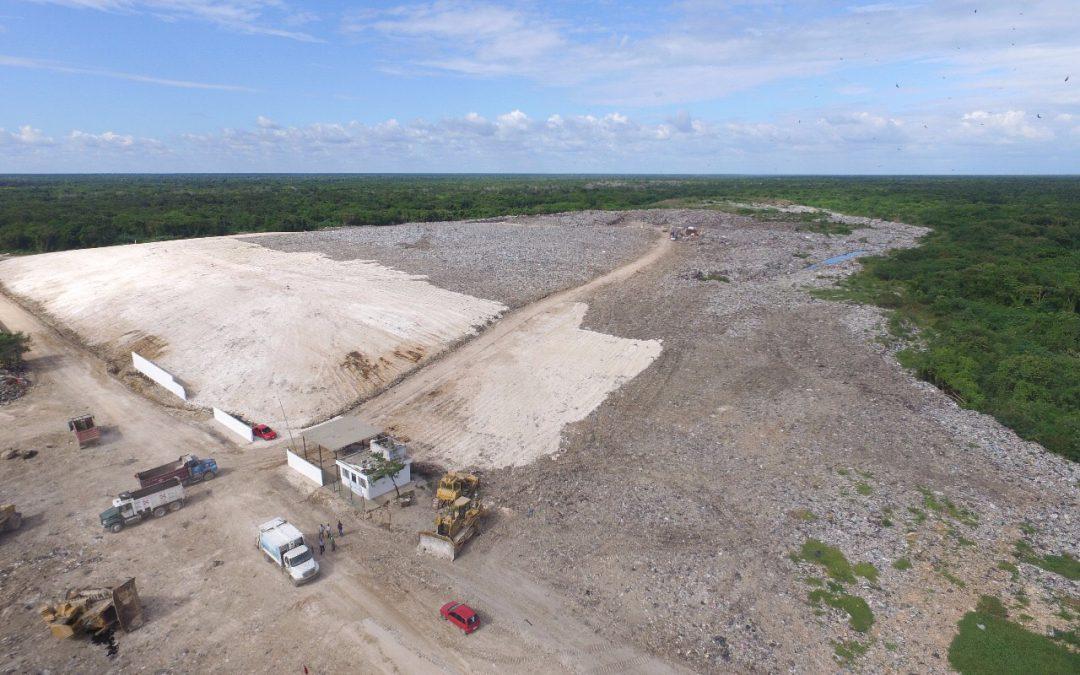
(264, 432)
(461, 615)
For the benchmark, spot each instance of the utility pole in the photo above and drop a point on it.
(288, 429)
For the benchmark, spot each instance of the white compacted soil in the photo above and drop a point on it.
(243, 326)
(509, 406)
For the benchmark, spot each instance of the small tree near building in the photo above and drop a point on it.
(12, 348)
(381, 467)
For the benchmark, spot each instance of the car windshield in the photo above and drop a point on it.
(300, 558)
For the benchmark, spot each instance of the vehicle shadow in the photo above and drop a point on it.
(44, 363)
(29, 522)
(157, 607)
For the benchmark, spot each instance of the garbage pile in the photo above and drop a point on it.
(12, 386)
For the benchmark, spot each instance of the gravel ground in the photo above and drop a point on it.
(512, 260)
(671, 512)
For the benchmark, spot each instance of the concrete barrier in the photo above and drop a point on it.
(234, 425)
(305, 468)
(151, 370)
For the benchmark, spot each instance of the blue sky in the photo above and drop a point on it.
(751, 86)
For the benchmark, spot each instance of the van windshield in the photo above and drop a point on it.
(300, 558)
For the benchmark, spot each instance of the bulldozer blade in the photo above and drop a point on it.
(127, 605)
(436, 545)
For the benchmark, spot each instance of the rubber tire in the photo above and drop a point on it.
(116, 527)
(175, 506)
(209, 475)
(159, 512)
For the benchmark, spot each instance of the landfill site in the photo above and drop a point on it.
(598, 442)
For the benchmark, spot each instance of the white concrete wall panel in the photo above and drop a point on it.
(151, 370)
(304, 467)
(234, 425)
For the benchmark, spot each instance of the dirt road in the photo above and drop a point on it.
(399, 405)
(210, 600)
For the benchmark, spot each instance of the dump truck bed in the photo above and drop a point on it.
(158, 474)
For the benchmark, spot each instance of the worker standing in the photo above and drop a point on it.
(333, 544)
(322, 542)
(340, 529)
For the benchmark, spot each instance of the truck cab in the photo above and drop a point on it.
(284, 545)
(201, 469)
(300, 564)
(111, 519)
(131, 507)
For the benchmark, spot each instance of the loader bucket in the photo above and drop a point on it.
(436, 545)
(127, 605)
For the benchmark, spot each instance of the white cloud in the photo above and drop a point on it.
(30, 135)
(1007, 126)
(466, 37)
(113, 140)
(858, 141)
(57, 67)
(24, 135)
(700, 50)
(515, 120)
(242, 16)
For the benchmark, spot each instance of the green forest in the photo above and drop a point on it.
(992, 290)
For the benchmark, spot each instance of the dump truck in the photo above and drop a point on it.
(457, 518)
(86, 432)
(131, 507)
(189, 469)
(94, 611)
(10, 519)
(284, 545)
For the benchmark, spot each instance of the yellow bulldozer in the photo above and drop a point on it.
(455, 485)
(94, 611)
(458, 512)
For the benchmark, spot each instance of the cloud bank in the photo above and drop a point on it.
(860, 142)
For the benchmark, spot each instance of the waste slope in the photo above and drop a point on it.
(243, 326)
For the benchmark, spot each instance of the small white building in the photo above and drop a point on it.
(354, 468)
